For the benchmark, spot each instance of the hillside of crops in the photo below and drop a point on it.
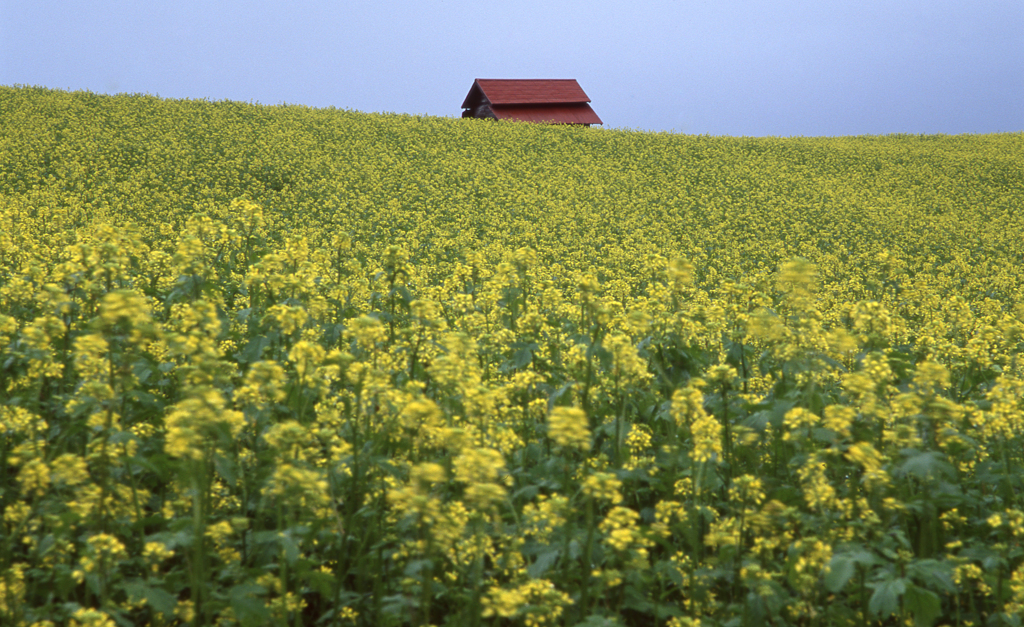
(275, 365)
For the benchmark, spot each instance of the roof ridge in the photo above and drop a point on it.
(530, 90)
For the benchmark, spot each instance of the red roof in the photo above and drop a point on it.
(532, 100)
(571, 113)
(526, 91)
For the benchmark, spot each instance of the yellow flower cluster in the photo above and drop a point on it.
(567, 426)
(283, 365)
(537, 602)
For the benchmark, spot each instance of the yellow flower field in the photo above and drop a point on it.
(274, 365)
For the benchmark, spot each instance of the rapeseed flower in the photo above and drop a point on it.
(192, 424)
(604, 486)
(568, 427)
(872, 463)
(707, 439)
(479, 469)
(440, 316)
(89, 617)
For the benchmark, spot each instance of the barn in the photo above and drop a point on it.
(547, 101)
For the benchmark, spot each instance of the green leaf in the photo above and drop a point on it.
(924, 604)
(521, 358)
(157, 598)
(924, 465)
(543, 562)
(264, 537)
(320, 581)
(161, 600)
(886, 599)
(934, 574)
(638, 600)
(841, 569)
(249, 608)
(94, 583)
(226, 468)
(253, 351)
(415, 567)
(596, 620)
(291, 548)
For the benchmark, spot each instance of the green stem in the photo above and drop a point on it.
(198, 552)
(618, 426)
(478, 578)
(863, 596)
(727, 428)
(426, 586)
(587, 558)
(135, 501)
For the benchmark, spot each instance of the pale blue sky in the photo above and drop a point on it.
(726, 67)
